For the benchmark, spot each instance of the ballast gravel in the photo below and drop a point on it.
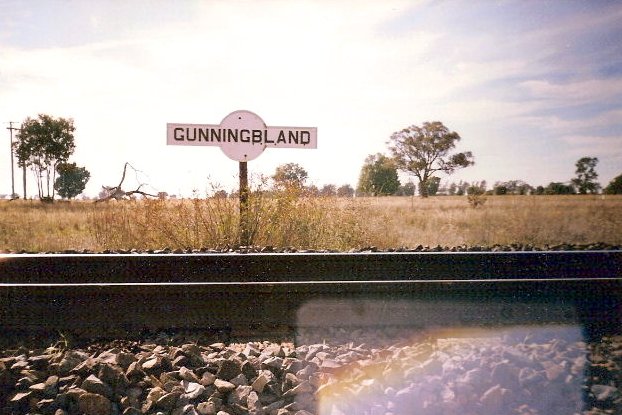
(330, 371)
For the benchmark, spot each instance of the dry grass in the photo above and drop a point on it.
(536, 220)
(312, 223)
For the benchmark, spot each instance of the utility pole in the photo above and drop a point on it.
(11, 128)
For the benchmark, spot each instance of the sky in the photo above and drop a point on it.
(530, 86)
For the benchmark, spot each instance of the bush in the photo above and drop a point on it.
(476, 196)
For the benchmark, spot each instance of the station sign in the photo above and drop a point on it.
(241, 135)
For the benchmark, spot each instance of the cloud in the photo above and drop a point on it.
(574, 93)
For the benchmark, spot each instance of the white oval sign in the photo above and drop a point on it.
(242, 135)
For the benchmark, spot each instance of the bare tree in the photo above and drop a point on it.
(117, 192)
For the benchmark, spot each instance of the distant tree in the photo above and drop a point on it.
(512, 187)
(500, 189)
(220, 194)
(42, 144)
(585, 182)
(312, 191)
(433, 184)
(290, 175)
(378, 176)
(407, 189)
(539, 190)
(424, 151)
(461, 188)
(328, 190)
(345, 191)
(476, 194)
(452, 189)
(71, 180)
(615, 186)
(556, 188)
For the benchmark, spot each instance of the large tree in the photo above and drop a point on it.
(42, 144)
(424, 150)
(585, 182)
(615, 186)
(378, 176)
(71, 180)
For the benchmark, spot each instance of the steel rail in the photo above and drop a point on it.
(108, 293)
(312, 267)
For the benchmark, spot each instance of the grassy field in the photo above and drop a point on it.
(311, 223)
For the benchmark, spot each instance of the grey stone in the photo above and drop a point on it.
(492, 400)
(223, 386)
(93, 384)
(239, 395)
(70, 360)
(94, 404)
(188, 375)
(192, 390)
(228, 369)
(206, 408)
(168, 401)
(605, 392)
(185, 410)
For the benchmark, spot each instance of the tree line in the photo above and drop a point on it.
(45, 144)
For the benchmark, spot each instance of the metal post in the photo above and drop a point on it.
(244, 222)
(10, 128)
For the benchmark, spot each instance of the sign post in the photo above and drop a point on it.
(245, 232)
(242, 136)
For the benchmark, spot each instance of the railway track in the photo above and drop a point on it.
(125, 294)
(481, 333)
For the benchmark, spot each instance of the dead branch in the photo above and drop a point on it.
(117, 192)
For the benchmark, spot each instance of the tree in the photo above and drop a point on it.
(117, 192)
(476, 194)
(585, 182)
(407, 189)
(378, 176)
(345, 191)
(432, 186)
(452, 189)
(512, 187)
(556, 188)
(461, 188)
(424, 151)
(42, 144)
(328, 190)
(71, 180)
(615, 186)
(290, 175)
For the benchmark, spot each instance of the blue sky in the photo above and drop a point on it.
(531, 86)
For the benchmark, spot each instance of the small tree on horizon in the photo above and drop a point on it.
(71, 180)
(378, 176)
(345, 191)
(290, 175)
(424, 151)
(557, 188)
(585, 182)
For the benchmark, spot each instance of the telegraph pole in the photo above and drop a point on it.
(11, 128)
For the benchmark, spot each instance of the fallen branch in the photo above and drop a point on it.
(117, 192)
